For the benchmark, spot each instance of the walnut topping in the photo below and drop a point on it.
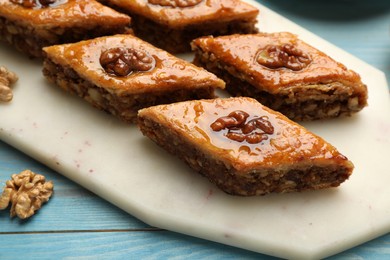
(7, 78)
(124, 61)
(175, 3)
(26, 192)
(36, 4)
(254, 131)
(283, 56)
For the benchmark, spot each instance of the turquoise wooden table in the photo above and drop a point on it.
(78, 224)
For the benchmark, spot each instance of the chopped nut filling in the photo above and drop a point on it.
(26, 192)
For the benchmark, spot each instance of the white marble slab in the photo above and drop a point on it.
(116, 162)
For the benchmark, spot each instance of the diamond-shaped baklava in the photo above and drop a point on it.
(30, 25)
(283, 73)
(172, 24)
(244, 147)
(121, 74)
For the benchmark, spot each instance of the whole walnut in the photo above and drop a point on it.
(7, 79)
(26, 192)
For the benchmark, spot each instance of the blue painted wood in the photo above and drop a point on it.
(151, 245)
(78, 224)
(118, 245)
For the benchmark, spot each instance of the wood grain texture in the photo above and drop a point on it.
(118, 245)
(76, 224)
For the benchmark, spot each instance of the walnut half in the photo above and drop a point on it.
(283, 56)
(122, 61)
(7, 78)
(238, 129)
(26, 192)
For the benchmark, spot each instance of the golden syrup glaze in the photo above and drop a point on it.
(207, 11)
(289, 144)
(80, 13)
(240, 52)
(169, 73)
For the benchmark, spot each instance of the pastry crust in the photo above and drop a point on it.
(306, 85)
(172, 27)
(287, 158)
(77, 68)
(31, 29)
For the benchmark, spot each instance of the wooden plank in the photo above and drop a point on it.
(150, 245)
(116, 245)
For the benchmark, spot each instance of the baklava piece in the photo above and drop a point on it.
(30, 25)
(244, 147)
(172, 24)
(121, 74)
(283, 73)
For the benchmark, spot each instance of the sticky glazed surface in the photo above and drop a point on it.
(86, 13)
(289, 144)
(205, 11)
(241, 52)
(168, 72)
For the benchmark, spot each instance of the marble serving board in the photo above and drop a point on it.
(116, 162)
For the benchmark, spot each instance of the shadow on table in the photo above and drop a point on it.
(339, 10)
